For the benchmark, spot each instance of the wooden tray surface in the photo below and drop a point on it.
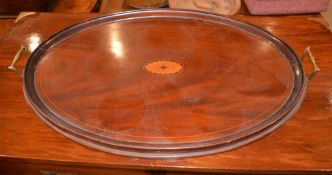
(164, 83)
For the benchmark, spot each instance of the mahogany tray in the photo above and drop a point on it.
(164, 83)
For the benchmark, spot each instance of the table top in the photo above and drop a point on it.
(303, 144)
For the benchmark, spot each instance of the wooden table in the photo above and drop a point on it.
(302, 145)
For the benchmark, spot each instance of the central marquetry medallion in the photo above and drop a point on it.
(163, 67)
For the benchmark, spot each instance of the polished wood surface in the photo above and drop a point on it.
(6, 25)
(303, 144)
(133, 93)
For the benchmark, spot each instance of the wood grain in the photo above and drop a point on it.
(5, 24)
(301, 145)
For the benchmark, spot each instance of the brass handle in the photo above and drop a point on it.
(313, 61)
(12, 66)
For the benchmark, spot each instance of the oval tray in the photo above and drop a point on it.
(164, 83)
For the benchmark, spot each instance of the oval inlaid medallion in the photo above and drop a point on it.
(163, 67)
